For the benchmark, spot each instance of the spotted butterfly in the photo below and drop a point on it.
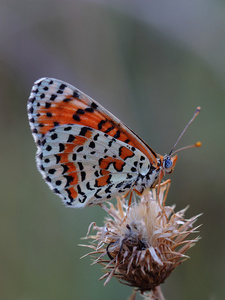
(84, 153)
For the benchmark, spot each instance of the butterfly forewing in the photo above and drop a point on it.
(56, 103)
(85, 154)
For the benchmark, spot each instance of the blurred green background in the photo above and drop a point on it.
(151, 63)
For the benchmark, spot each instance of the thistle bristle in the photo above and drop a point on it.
(142, 244)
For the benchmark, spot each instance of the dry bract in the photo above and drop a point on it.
(141, 245)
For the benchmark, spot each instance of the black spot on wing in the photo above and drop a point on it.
(71, 138)
(65, 168)
(101, 123)
(58, 158)
(94, 105)
(47, 105)
(109, 129)
(68, 128)
(69, 179)
(84, 130)
(96, 194)
(80, 111)
(117, 134)
(76, 94)
(53, 97)
(61, 147)
(83, 175)
(54, 136)
(89, 109)
(80, 165)
(89, 187)
(76, 117)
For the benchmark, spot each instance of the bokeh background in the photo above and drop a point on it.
(151, 63)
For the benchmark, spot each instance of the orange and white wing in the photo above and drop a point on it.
(85, 154)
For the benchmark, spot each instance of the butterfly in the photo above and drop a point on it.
(85, 154)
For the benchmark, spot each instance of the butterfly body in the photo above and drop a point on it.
(85, 154)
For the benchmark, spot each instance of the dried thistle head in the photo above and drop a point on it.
(142, 244)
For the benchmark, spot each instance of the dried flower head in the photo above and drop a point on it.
(142, 244)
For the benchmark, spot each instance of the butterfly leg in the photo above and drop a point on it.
(166, 183)
(159, 185)
(130, 199)
(161, 174)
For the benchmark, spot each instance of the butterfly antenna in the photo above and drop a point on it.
(198, 144)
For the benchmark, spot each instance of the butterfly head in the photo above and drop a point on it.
(169, 163)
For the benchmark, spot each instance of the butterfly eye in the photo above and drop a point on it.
(168, 163)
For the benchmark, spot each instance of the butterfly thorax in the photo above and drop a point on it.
(147, 181)
(165, 164)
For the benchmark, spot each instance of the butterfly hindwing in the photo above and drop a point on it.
(84, 165)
